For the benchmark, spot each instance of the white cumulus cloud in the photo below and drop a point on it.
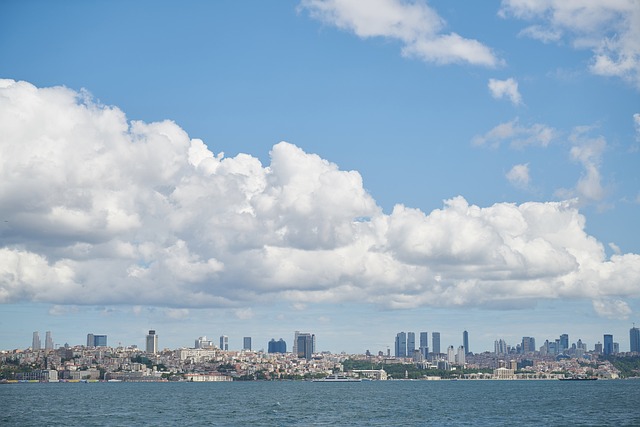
(610, 29)
(98, 210)
(505, 89)
(414, 23)
(519, 175)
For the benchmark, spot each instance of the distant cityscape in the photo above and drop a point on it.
(206, 361)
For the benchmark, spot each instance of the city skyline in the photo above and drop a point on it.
(405, 344)
(349, 168)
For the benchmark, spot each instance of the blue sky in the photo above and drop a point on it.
(447, 166)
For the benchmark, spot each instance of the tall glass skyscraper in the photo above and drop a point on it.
(435, 341)
(401, 345)
(411, 343)
(465, 342)
(634, 340)
(607, 347)
(306, 345)
(424, 344)
(246, 343)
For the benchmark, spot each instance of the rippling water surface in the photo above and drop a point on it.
(389, 403)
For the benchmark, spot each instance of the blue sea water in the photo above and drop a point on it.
(298, 403)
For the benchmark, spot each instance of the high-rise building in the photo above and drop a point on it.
(35, 342)
(597, 348)
(224, 342)
(48, 341)
(528, 345)
(607, 347)
(451, 354)
(424, 344)
(564, 343)
(435, 342)
(411, 343)
(152, 342)
(500, 347)
(96, 340)
(279, 346)
(203, 342)
(306, 345)
(465, 342)
(246, 343)
(634, 340)
(295, 342)
(460, 357)
(401, 345)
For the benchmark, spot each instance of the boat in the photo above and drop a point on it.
(336, 378)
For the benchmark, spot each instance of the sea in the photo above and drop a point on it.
(303, 403)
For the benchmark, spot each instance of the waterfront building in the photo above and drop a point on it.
(224, 342)
(246, 343)
(48, 341)
(504, 374)
(152, 342)
(401, 345)
(35, 342)
(634, 340)
(465, 341)
(306, 345)
(279, 346)
(435, 341)
(411, 343)
(607, 347)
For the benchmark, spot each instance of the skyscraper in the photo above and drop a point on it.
(528, 345)
(401, 345)
(607, 347)
(96, 340)
(424, 344)
(35, 342)
(295, 342)
(564, 343)
(279, 346)
(460, 357)
(435, 341)
(152, 342)
(451, 354)
(465, 342)
(306, 345)
(48, 341)
(634, 340)
(224, 342)
(246, 343)
(411, 343)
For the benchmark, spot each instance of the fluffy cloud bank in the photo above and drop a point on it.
(415, 24)
(98, 210)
